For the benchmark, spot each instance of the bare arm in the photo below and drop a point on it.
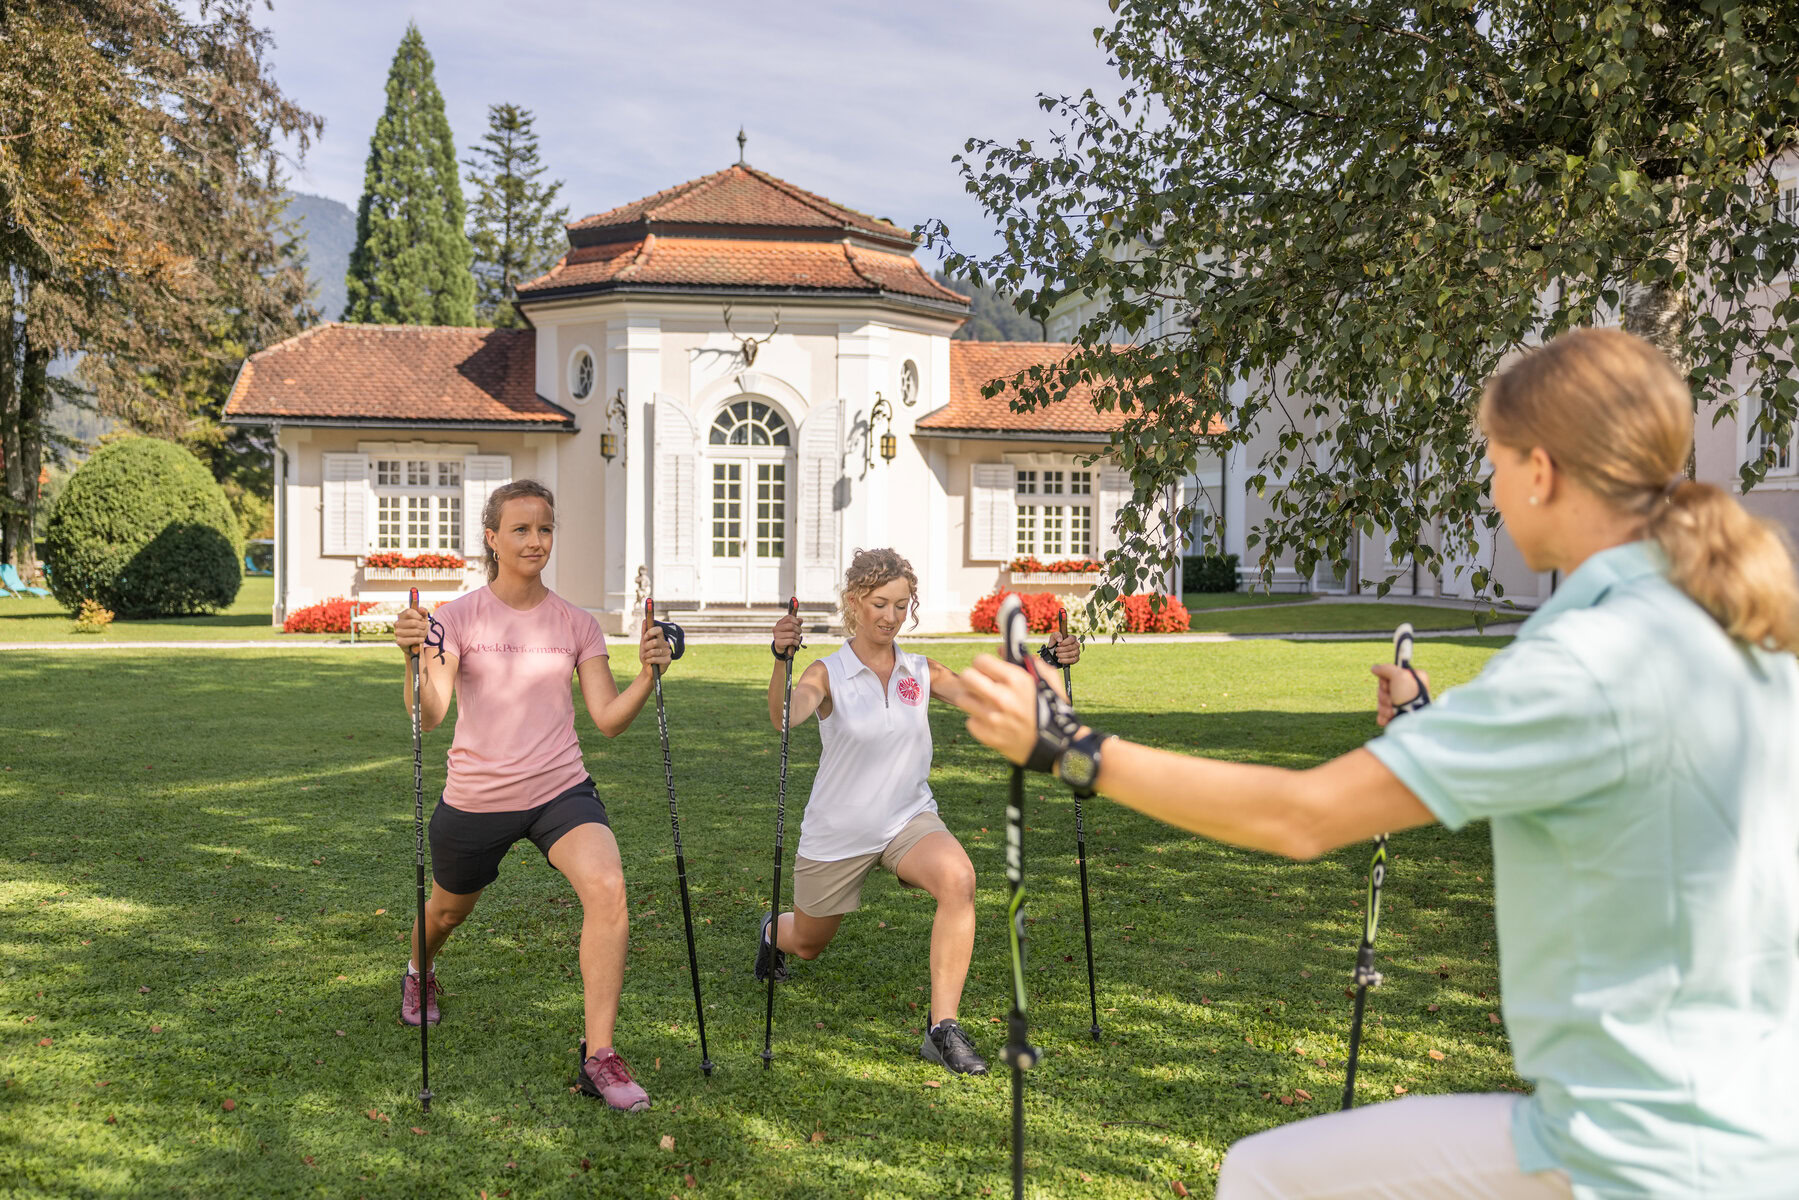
(612, 710)
(1299, 814)
(811, 694)
(811, 691)
(439, 678)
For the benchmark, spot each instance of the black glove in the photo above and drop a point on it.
(676, 639)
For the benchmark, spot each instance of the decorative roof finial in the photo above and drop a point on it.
(740, 141)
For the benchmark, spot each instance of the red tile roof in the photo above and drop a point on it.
(972, 365)
(412, 374)
(741, 196)
(712, 263)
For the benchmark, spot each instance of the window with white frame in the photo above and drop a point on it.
(418, 504)
(1054, 513)
(1761, 441)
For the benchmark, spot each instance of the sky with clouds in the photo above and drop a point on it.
(862, 102)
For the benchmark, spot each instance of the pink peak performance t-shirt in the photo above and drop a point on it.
(515, 745)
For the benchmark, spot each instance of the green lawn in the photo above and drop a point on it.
(41, 619)
(208, 876)
(1331, 618)
(1194, 601)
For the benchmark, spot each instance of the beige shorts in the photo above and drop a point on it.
(830, 889)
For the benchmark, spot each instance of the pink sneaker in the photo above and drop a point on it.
(606, 1077)
(409, 997)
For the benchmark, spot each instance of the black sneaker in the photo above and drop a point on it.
(764, 952)
(948, 1046)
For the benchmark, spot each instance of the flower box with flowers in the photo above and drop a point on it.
(389, 565)
(1068, 572)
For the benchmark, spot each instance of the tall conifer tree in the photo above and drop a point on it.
(515, 233)
(411, 262)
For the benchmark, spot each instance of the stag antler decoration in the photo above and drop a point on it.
(747, 346)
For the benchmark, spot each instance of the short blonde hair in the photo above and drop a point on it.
(871, 569)
(1612, 411)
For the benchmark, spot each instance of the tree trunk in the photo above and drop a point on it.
(1659, 314)
(12, 459)
(34, 409)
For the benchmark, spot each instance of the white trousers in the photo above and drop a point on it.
(1419, 1148)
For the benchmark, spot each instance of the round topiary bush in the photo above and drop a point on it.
(142, 528)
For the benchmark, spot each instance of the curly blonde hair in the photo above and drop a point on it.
(871, 569)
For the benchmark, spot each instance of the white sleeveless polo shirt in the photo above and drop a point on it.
(874, 766)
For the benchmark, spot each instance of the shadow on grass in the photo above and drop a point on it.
(233, 832)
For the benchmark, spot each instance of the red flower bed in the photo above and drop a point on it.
(1040, 611)
(417, 562)
(1155, 614)
(333, 616)
(1066, 566)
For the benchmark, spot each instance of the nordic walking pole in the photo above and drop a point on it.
(1365, 974)
(1080, 851)
(774, 927)
(1019, 1052)
(674, 820)
(415, 667)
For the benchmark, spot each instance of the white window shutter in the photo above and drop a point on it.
(992, 512)
(1114, 493)
(674, 554)
(820, 466)
(481, 474)
(346, 505)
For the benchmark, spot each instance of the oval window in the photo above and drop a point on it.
(580, 375)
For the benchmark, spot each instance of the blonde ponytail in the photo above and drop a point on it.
(1736, 567)
(1611, 411)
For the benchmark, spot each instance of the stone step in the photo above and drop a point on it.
(739, 620)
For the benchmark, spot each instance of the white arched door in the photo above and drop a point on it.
(747, 482)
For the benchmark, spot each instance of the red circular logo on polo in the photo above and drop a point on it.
(908, 690)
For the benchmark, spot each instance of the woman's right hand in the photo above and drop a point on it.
(789, 634)
(410, 628)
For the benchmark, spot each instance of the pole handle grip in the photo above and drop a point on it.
(412, 601)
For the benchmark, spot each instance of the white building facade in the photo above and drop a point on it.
(730, 387)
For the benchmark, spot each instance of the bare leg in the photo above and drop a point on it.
(444, 911)
(940, 866)
(588, 856)
(805, 936)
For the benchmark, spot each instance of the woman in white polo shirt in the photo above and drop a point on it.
(871, 801)
(1636, 753)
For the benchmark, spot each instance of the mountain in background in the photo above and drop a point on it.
(991, 318)
(328, 232)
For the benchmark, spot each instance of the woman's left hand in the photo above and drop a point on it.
(1067, 648)
(1002, 706)
(652, 647)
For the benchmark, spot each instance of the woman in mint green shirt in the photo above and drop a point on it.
(1636, 753)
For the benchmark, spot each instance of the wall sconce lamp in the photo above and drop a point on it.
(608, 439)
(882, 410)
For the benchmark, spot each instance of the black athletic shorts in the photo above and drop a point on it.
(468, 847)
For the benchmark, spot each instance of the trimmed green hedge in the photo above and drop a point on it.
(1209, 573)
(143, 528)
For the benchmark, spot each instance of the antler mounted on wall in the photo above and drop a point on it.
(747, 346)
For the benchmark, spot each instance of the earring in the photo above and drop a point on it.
(1533, 501)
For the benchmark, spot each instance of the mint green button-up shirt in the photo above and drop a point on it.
(1640, 771)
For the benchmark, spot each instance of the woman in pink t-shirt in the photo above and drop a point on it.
(508, 651)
